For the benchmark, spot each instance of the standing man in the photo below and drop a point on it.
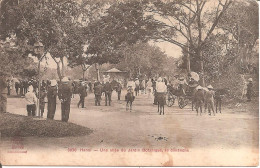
(82, 94)
(209, 99)
(3, 92)
(98, 93)
(16, 86)
(25, 86)
(249, 89)
(42, 100)
(65, 93)
(108, 91)
(118, 90)
(31, 101)
(21, 87)
(161, 90)
(52, 97)
(154, 91)
(137, 86)
(131, 86)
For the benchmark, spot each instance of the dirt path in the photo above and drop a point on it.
(114, 127)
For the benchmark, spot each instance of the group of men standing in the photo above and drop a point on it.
(51, 91)
(107, 87)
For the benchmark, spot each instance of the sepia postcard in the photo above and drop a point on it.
(129, 83)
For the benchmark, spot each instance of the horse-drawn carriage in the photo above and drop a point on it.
(183, 94)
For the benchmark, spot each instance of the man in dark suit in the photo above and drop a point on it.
(82, 94)
(108, 92)
(65, 93)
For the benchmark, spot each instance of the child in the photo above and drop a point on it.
(31, 100)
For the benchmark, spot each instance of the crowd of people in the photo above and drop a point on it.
(64, 90)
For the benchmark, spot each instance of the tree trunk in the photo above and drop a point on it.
(201, 68)
(97, 69)
(62, 66)
(188, 60)
(59, 71)
(83, 73)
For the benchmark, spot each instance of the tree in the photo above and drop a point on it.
(12, 61)
(122, 24)
(142, 59)
(47, 21)
(241, 27)
(187, 24)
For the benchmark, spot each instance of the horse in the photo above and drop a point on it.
(187, 92)
(161, 102)
(129, 98)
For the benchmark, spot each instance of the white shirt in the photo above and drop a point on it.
(161, 87)
(137, 82)
(131, 84)
(30, 98)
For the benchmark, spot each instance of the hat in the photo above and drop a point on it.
(209, 87)
(105, 80)
(65, 79)
(53, 82)
(250, 80)
(159, 79)
(181, 78)
(199, 87)
(83, 82)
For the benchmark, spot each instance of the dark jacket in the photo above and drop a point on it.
(119, 88)
(65, 92)
(199, 96)
(98, 89)
(52, 93)
(108, 87)
(82, 91)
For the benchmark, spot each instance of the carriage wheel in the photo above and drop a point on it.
(169, 99)
(181, 102)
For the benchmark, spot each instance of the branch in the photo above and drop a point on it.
(182, 46)
(225, 7)
(188, 8)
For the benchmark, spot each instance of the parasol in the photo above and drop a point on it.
(195, 76)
